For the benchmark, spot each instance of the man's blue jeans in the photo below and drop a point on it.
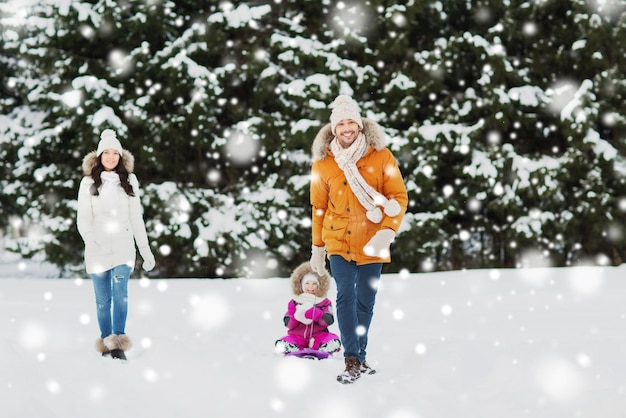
(111, 289)
(356, 294)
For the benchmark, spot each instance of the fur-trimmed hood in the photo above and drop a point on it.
(91, 160)
(374, 135)
(301, 271)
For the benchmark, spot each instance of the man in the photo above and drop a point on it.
(358, 200)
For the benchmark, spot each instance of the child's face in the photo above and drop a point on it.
(310, 286)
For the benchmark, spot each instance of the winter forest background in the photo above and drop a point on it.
(507, 118)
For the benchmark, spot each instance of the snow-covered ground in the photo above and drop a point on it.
(484, 343)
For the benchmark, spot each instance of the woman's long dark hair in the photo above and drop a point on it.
(120, 169)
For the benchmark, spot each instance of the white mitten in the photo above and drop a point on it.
(378, 245)
(300, 310)
(318, 259)
(148, 259)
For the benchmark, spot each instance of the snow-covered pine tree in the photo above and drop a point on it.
(506, 118)
(490, 162)
(10, 101)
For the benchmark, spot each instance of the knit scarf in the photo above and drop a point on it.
(305, 302)
(307, 299)
(367, 196)
(108, 191)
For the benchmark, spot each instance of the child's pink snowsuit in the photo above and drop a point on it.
(308, 316)
(309, 335)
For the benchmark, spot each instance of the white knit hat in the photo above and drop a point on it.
(307, 277)
(344, 108)
(108, 140)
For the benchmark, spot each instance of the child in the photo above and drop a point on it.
(309, 314)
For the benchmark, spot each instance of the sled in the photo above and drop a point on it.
(309, 353)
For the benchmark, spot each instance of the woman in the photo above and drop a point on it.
(110, 221)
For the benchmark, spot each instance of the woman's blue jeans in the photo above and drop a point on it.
(111, 289)
(356, 294)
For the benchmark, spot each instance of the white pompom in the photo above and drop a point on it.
(343, 99)
(108, 133)
(375, 215)
(392, 208)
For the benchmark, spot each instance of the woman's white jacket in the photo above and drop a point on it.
(111, 223)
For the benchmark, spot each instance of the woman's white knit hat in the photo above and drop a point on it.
(108, 140)
(344, 108)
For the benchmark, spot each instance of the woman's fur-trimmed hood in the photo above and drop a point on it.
(91, 160)
(374, 135)
(301, 271)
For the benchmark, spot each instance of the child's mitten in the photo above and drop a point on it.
(300, 313)
(314, 313)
